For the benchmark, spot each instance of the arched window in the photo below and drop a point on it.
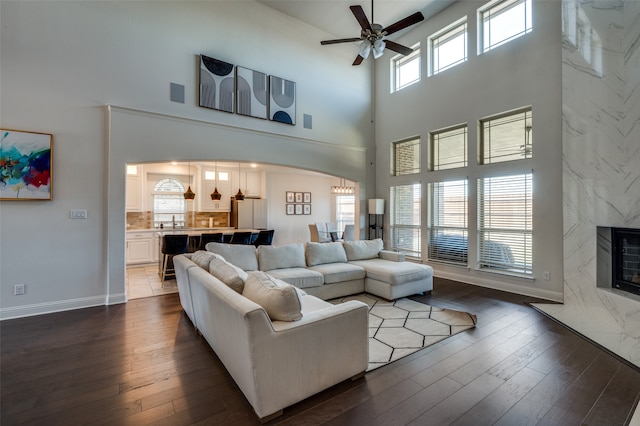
(169, 205)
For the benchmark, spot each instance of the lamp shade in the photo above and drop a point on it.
(376, 206)
(365, 48)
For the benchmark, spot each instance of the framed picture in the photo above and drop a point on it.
(298, 208)
(290, 197)
(306, 197)
(25, 165)
(298, 197)
(307, 209)
(282, 100)
(290, 209)
(251, 93)
(217, 84)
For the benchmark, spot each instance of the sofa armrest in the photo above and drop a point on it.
(391, 255)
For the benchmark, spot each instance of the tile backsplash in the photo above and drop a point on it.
(144, 220)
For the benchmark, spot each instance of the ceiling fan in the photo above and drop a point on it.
(373, 35)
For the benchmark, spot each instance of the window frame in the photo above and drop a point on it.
(499, 7)
(398, 61)
(491, 262)
(432, 147)
(525, 145)
(440, 223)
(180, 216)
(395, 225)
(417, 161)
(450, 29)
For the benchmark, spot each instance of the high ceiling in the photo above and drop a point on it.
(334, 16)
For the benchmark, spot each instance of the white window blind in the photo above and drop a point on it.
(447, 226)
(405, 223)
(405, 157)
(449, 47)
(505, 223)
(169, 204)
(504, 21)
(448, 148)
(345, 211)
(507, 137)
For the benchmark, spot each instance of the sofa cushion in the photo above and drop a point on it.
(299, 277)
(339, 272)
(394, 273)
(280, 257)
(281, 300)
(320, 253)
(202, 258)
(229, 274)
(243, 256)
(362, 249)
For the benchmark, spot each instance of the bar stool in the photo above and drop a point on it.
(171, 246)
(241, 238)
(209, 238)
(265, 238)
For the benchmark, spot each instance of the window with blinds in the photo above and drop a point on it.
(505, 223)
(448, 47)
(169, 203)
(448, 148)
(506, 137)
(345, 211)
(447, 222)
(504, 21)
(406, 69)
(405, 157)
(405, 223)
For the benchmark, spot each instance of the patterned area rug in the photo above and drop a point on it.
(404, 326)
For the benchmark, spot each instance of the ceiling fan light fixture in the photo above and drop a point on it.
(365, 49)
(378, 48)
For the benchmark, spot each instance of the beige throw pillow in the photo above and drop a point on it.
(321, 253)
(229, 274)
(362, 249)
(281, 257)
(280, 300)
(202, 258)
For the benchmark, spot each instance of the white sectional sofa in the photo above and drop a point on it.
(278, 343)
(330, 270)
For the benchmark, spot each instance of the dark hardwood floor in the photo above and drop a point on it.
(142, 362)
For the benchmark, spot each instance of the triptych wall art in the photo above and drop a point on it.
(233, 88)
(25, 165)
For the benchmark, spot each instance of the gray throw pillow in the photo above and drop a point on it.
(280, 300)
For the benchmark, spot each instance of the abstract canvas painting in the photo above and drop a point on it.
(282, 104)
(217, 84)
(25, 165)
(252, 93)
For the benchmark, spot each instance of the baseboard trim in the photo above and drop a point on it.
(59, 306)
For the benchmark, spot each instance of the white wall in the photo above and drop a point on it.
(601, 175)
(525, 71)
(63, 61)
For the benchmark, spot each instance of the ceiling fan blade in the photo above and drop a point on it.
(398, 47)
(404, 23)
(340, 40)
(358, 12)
(358, 60)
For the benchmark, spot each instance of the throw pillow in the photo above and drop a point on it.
(242, 256)
(281, 257)
(229, 274)
(280, 300)
(362, 249)
(202, 258)
(321, 253)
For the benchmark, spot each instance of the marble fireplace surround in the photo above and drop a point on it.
(601, 154)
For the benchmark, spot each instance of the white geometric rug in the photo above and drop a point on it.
(404, 326)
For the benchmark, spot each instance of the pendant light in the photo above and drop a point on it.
(189, 194)
(239, 195)
(215, 195)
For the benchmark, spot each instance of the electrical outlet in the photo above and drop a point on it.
(78, 213)
(18, 289)
(546, 275)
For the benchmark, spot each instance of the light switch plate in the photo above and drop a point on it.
(78, 213)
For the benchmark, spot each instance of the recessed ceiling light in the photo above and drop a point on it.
(254, 165)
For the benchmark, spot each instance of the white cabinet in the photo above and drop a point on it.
(253, 186)
(141, 247)
(134, 193)
(208, 183)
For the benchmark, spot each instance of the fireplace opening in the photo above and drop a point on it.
(625, 252)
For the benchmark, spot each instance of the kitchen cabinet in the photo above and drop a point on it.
(253, 184)
(141, 247)
(134, 193)
(221, 205)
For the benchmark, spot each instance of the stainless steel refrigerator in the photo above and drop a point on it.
(249, 214)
